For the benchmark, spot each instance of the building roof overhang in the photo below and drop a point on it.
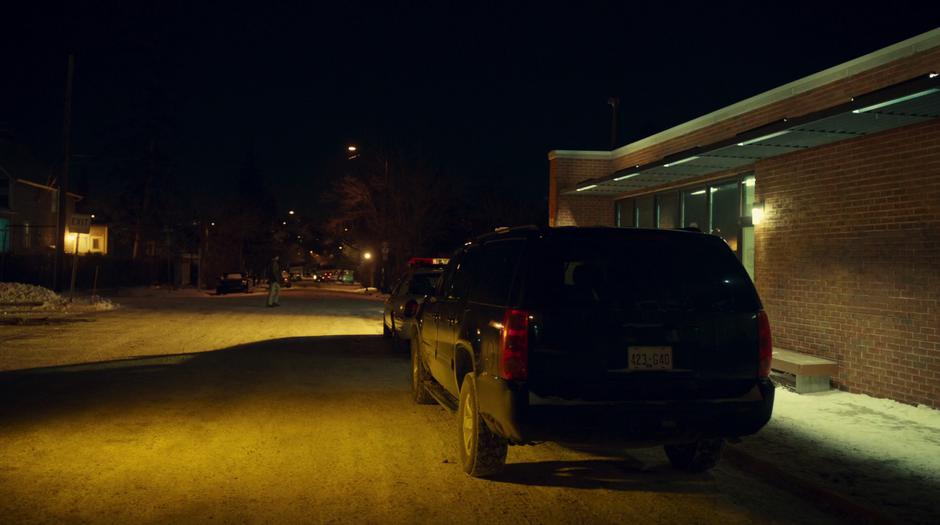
(909, 102)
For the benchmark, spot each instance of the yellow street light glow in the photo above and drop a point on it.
(367, 255)
(351, 148)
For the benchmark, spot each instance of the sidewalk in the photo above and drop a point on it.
(870, 460)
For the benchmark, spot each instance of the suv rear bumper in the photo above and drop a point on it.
(508, 411)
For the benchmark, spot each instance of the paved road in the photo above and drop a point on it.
(309, 428)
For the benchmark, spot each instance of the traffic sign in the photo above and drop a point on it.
(80, 223)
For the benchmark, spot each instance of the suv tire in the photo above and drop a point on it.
(699, 456)
(419, 375)
(482, 452)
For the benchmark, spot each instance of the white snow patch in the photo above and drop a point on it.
(866, 426)
(26, 298)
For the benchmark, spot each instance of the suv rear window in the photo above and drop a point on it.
(495, 264)
(664, 271)
(423, 283)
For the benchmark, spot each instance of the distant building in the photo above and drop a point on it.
(28, 208)
(828, 191)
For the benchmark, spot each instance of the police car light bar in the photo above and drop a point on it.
(428, 261)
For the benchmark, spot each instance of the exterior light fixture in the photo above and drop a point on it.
(212, 224)
(290, 212)
(367, 255)
(683, 161)
(351, 149)
(765, 137)
(757, 213)
(749, 181)
(92, 215)
(284, 223)
(625, 177)
(932, 74)
(896, 100)
(586, 187)
(699, 192)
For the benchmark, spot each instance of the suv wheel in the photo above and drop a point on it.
(696, 457)
(482, 452)
(419, 375)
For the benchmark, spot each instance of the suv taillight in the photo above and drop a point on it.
(765, 344)
(514, 346)
(411, 308)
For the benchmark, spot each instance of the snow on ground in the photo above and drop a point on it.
(18, 298)
(879, 452)
(865, 426)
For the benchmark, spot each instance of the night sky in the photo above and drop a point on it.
(486, 89)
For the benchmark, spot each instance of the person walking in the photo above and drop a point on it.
(274, 282)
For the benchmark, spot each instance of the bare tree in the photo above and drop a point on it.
(396, 198)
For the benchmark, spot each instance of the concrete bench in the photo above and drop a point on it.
(812, 373)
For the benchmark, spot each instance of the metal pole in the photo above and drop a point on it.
(58, 260)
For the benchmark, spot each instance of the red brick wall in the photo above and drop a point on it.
(577, 210)
(848, 259)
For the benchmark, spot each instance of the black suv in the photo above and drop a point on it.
(578, 334)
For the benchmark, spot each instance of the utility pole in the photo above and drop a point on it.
(58, 260)
(614, 103)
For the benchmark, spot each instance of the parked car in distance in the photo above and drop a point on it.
(402, 304)
(231, 282)
(572, 334)
(328, 274)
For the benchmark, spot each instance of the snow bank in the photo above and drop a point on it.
(24, 298)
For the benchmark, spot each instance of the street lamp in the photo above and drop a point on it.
(367, 255)
(290, 212)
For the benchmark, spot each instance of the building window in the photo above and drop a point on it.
(626, 214)
(645, 212)
(747, 227)
(693, 209)
(4, 235)
(4, 191)
(724, 211)
(96, 244)
(667, 210)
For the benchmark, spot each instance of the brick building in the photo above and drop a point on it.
(828, 190)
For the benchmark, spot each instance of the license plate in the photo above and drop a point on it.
(649, 358)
